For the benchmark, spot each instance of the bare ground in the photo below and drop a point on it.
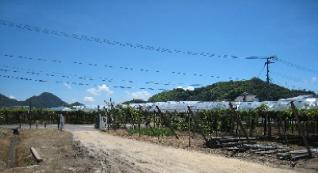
(127, 155)
(59, 152)
(88, 150)
(197, 144)
(4, 145)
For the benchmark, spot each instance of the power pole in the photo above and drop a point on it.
(268, 94)
(269, 60)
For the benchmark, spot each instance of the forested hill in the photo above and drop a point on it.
(44, 100)
(229, 91)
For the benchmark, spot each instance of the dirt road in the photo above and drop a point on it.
(126, 155)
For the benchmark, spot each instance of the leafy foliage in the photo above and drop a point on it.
(209, 122)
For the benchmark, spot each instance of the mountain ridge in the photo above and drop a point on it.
(230, 90)
(43, 100)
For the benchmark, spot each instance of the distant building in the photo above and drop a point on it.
(246, 97)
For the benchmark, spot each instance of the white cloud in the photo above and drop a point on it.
(314, 79)
(190, 88)
(100, 89)
(67, 86)
(105, 88)
(11, 97)
(144, 95)
(92, 91)
(89, 99)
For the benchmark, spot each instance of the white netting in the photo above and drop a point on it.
(181, 106)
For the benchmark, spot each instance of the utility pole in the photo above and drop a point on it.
(269, 60)
(267, 63)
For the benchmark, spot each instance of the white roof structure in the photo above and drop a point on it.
(181, 106)
(61, 108)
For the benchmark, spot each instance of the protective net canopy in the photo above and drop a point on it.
(301, 102)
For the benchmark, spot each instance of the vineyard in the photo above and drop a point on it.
(290, 135)
(259, 123)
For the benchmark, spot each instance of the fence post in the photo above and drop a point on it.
(196, 124)
(29, 112)
(139, 120)
(189, 125)
(165, 121)
(20, 124)
(265, 124)
(301, 130)
(269, 126)
(285, 130)
(238, 119)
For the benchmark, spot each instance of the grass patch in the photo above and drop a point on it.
(151, 132)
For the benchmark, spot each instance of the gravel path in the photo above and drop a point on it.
(126, 155)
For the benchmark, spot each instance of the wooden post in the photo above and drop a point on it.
(278, 125)
(196, 125)
(316, 127)
(36, 155)
(20, 124)
(295, 112)
(265, 125)
(269, 126)
(29, 113)
(189, 126)
(238, 119)
(139, 120)
(6, 117)
(155, 119)
(252, 126)
(291, 124)
(166, 122)
(285, 130)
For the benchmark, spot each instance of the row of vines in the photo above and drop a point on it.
(257, 123)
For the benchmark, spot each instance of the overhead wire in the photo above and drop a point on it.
(84, 37)
(110, 67)
(41, 80)
(99, 40)
(297, 66)
(7, 68)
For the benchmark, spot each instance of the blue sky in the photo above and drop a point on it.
(242, 28)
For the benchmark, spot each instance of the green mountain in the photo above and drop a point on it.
(7, 102)
(76, 104)
(134, 101)
(44, 100)
(229, 91)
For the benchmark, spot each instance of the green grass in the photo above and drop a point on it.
(151, 132)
